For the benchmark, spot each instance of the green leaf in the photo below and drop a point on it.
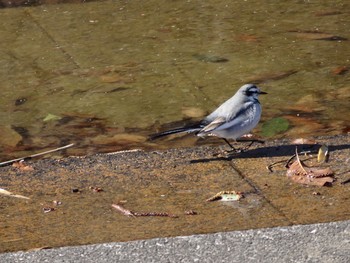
(274, 126)
(51, 117)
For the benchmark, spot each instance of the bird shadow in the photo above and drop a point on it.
(272, 151)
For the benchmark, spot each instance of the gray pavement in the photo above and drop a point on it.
(327, 242)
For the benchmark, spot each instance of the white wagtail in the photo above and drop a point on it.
(234, 118)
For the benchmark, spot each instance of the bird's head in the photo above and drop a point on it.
(251, 92)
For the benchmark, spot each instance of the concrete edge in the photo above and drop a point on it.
(324, 242)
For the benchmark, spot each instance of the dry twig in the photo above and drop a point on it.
(36, 155)
(127, 212)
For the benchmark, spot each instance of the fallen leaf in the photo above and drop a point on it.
(190, 213)
(302, 174)
(127, 212)
(322, 155)
(226, 196)
(321, 181)
(95, 189)
(22, 166)
(340, 70)
(51, 117)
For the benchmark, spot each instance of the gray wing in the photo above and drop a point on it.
(241, 121)
(219, 121)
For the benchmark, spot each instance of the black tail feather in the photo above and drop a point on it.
(190, 129)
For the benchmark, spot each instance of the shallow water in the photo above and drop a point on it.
(83, 73)
(105, 75)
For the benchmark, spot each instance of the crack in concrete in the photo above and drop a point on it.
(260, 193)
(49, 36)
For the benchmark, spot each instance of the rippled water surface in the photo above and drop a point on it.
(104, 75)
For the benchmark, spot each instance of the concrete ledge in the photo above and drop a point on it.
(328, 242)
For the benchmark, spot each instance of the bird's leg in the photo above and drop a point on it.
(239, 150)
(233, 149)
(229, 144)
(224, 153)
(250, 144)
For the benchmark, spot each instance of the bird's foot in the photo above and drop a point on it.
(245, 148)
(228, 153)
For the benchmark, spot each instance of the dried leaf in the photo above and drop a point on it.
(190, 213)
(302, 174)
(226, 196)
(320, 181)
(96, 189)
(322, 154)
(340, 70)
(122, 210)
(51, 117)
(127, 212)
(22, 166)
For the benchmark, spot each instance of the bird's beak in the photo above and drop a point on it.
(263, 92)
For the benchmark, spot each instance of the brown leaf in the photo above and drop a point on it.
(321, 181)
(340, 70)
(226, 196)
(322, 155)
(190, 213)
(22, 166)
(300, 173)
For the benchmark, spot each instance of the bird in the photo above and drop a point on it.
(231, 120)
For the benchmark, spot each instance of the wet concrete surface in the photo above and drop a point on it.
(172, 181)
